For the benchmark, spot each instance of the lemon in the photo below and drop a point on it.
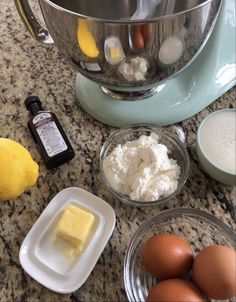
(18, 171)
(86, 40)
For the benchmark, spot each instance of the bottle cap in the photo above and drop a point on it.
(32, 99)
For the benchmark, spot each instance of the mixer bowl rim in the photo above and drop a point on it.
(125, 21)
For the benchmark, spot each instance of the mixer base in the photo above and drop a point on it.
(210, 75)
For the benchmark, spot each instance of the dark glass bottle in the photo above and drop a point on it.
(51, 140)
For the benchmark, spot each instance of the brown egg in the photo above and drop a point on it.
(175, 290)
(147, 31)
(138, 39)
(167, 256)
(214, 272)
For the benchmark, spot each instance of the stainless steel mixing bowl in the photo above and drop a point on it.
(127, 44)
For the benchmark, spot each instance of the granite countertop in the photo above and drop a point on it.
(28, 67)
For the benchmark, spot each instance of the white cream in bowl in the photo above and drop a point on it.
(216, 145)
(142, 169)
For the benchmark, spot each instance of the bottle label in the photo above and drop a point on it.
(49, 133)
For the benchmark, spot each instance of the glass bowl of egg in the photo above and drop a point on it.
(181, 255)
(144, 165)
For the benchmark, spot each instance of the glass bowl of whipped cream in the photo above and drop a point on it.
(144, 165)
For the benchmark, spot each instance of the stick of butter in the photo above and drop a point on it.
(74, 226)
(115, 53)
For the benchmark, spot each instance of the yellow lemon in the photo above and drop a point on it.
(86, 40)
(18, 171)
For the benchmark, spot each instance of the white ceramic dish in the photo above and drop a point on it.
(43, 259)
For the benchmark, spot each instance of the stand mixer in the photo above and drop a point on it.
(152, 61)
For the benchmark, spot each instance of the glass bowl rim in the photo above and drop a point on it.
(148, 127)
(175, 212)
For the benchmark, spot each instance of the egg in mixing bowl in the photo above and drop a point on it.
(175, 290)
(214, 272)
(167, 256)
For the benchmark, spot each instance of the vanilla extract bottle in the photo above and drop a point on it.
(52, 142)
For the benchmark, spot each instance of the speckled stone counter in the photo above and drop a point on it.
(28, 67)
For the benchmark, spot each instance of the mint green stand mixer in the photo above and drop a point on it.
(169, 91)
